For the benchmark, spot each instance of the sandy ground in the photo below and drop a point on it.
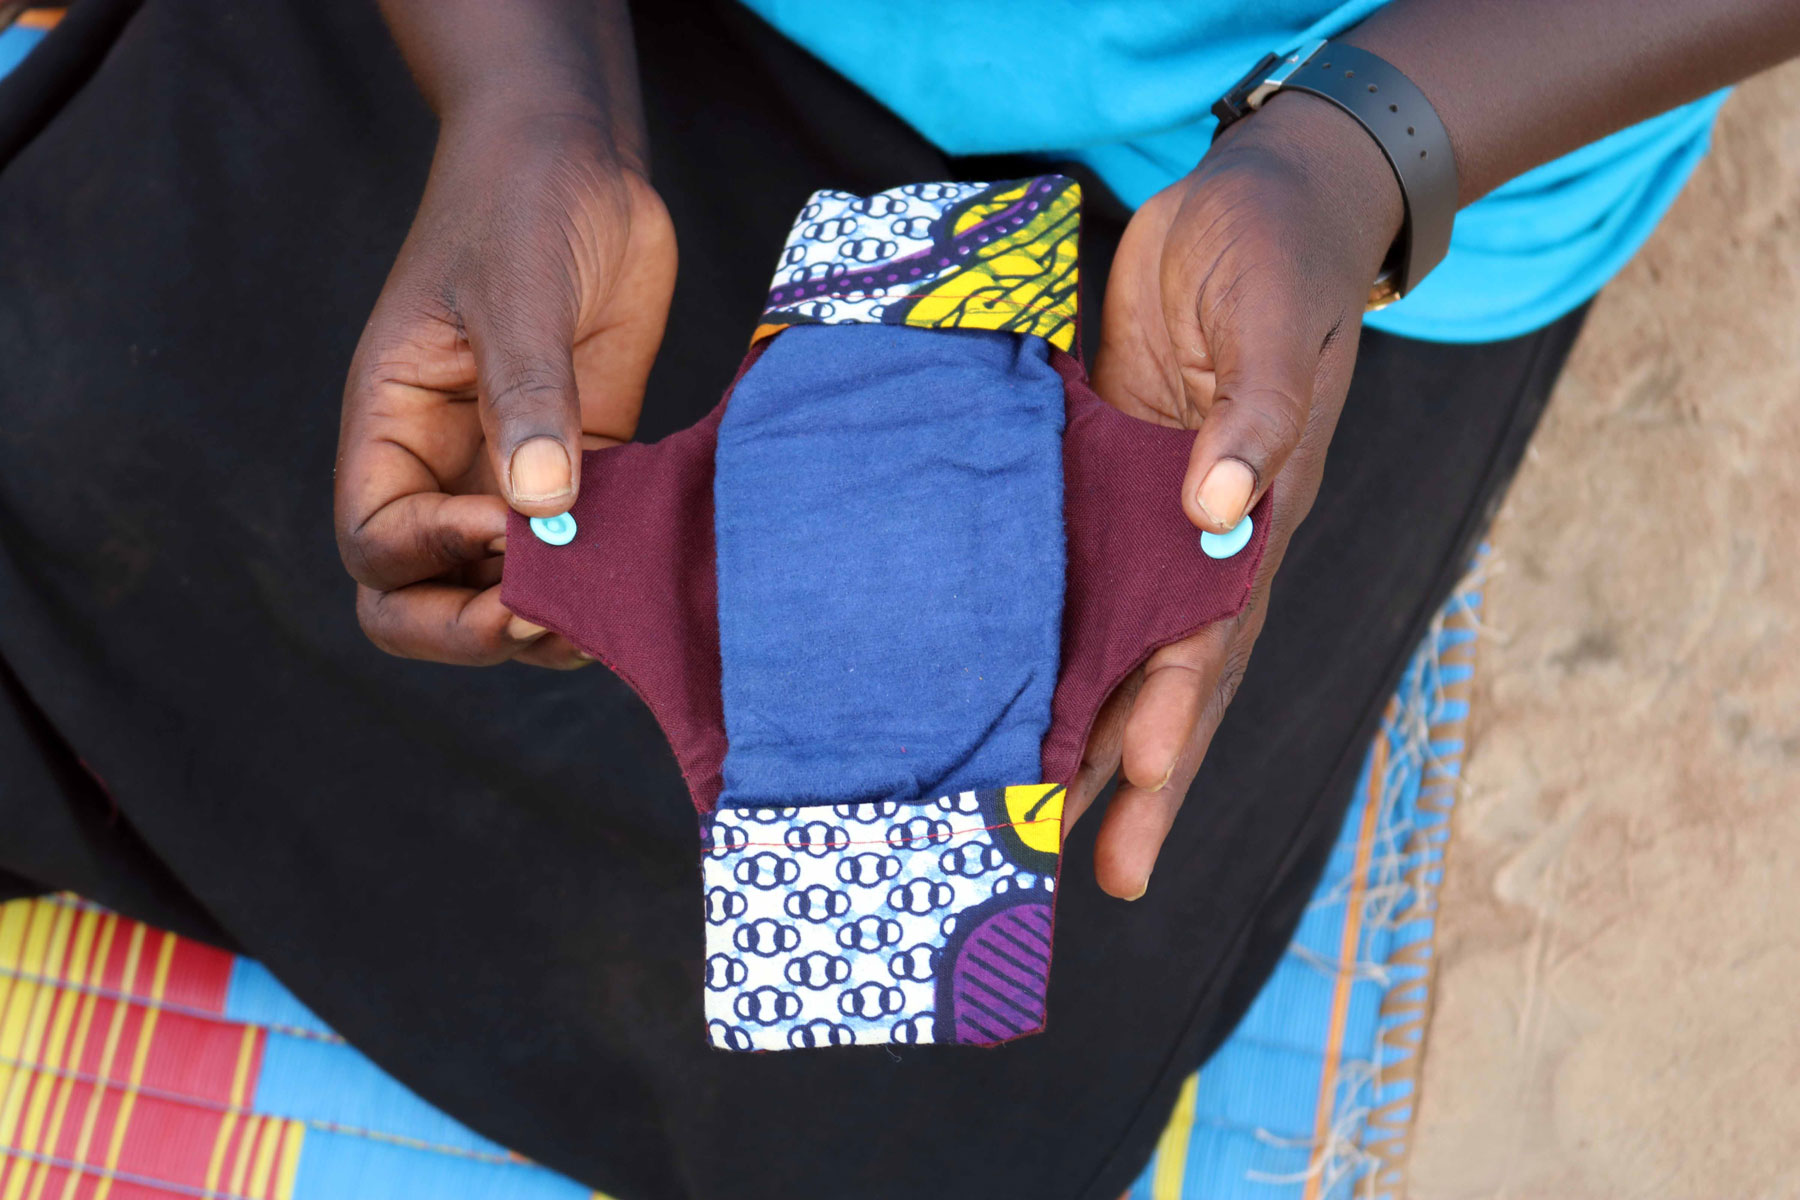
(1617, 1008)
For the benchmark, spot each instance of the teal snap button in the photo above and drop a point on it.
(558, 530)
(1224, 545)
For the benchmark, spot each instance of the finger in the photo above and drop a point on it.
(1130, 837)
(486, 572)
(1159, 755)
(1250, 354)
(1179, 679)
(442, 623)
(555, 653)
(1100, 757)
(399, 441)
(1139, 818)
(1196, 681)
(1258, 415)
(522, 332)
(421, 535)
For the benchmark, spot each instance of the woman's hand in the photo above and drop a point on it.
(1234, 307)
(517, 327)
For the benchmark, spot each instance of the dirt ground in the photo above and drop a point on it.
(1620, 936)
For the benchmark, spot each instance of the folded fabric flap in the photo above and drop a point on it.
(867, 924)
(1137, 577)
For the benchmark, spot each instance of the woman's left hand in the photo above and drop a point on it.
(1234, 308)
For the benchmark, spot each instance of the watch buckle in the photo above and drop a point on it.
(1284, 68)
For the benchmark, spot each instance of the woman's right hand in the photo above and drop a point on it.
(517, 326)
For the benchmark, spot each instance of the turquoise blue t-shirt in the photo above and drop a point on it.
(1126, 86)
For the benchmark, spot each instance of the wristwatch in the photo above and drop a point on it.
(1401, 120)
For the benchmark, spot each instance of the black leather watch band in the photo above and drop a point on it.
(1400, 119)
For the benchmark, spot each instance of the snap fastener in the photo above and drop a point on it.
(558, 530)
(1224, 545)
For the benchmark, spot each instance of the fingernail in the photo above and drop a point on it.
(498, 545)
(540, 470)
(521, 630)
(584, 656)
(1139, 895)
(1225, 492)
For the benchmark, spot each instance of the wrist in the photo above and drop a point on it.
(1335, 158)
(503, 95)
(566, 123)
(484, 65)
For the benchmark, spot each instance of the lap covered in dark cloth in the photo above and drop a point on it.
(485, 878)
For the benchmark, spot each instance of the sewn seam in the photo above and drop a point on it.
(927, 837)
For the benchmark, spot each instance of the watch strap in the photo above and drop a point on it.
(1396, 114)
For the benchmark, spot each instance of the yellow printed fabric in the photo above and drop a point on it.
(996, 256)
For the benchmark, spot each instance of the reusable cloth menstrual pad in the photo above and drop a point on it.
(875, 600)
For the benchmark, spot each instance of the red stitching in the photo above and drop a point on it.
(930, 837)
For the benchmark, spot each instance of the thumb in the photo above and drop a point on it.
(1264, 365)
(521, 337)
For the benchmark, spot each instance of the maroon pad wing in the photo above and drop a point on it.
(637, 588)
(1137, 579)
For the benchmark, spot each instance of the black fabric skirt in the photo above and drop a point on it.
(487, 879)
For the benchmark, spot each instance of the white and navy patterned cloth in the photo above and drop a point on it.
(836, 233)
(872, 923)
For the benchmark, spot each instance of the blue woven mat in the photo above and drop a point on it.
(1312, 1097)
